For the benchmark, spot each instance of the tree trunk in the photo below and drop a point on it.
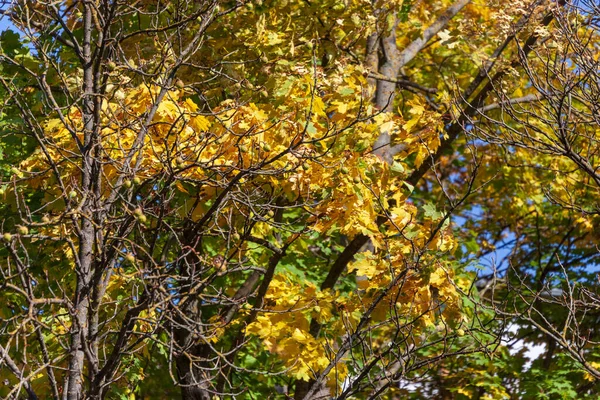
(86, 228)
(192, 378)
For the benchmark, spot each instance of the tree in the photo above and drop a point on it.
(231, 199)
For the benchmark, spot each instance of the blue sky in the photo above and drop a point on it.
(4, 23)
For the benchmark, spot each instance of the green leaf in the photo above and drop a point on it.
(431, 211)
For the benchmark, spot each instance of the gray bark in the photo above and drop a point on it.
(394, 60)
(86, 229)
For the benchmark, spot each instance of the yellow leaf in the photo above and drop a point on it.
(318, 106)
(438, 278)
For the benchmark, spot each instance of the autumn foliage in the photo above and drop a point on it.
(299, 199)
